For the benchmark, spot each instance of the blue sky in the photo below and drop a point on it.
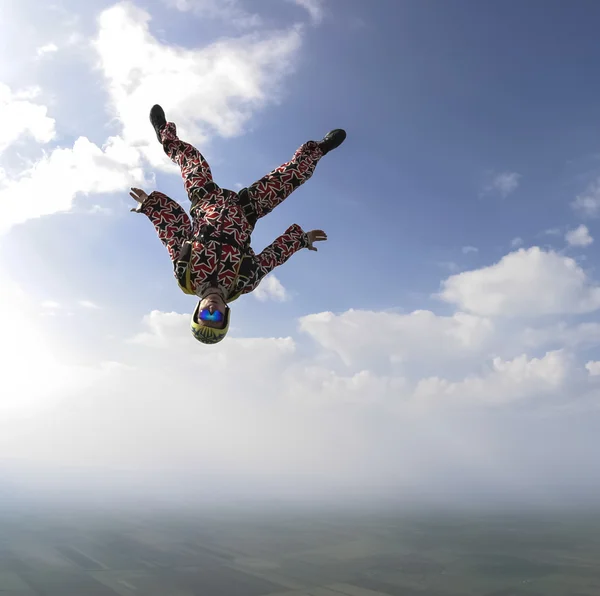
(472, 131)
(434, 97)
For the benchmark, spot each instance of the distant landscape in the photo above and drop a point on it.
(282, 551)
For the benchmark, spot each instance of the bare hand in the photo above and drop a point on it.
(315, 236)
(139, 195)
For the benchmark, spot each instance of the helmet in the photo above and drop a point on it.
(208, 335)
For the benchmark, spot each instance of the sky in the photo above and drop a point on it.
(442, 345)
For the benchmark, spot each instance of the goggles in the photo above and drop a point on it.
(212, 317)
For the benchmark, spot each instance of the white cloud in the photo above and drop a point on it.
(212, 90)
(164, 329)
(50, 304)
(230, 11)
(561, 334)
(100, 209)
(88, 304)
(418, 343)
(313, 7)
(507, 381)
(254, 424)
(20, 117)
(529, 282)
(503, 184)
(415, 339)
(52, 184)
(44, 50)
(271, 288)
(469, 249)
(348, 383)
(516, 242)
(593, 368)
(588, 203)
(206, 91)
(580, 236)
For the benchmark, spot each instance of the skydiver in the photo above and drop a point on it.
(211, 252)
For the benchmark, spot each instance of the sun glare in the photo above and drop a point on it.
(32, 374)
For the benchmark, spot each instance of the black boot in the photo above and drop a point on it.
(332, 140)
(158, 120)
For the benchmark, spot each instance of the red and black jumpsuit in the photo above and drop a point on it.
(222, 220)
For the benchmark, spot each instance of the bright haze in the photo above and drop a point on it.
(441, 347)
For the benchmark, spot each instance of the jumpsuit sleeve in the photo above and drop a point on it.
(171, 222)
(277, 253)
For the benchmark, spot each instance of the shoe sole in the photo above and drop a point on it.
(157, 113)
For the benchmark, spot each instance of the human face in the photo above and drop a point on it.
(212, 302)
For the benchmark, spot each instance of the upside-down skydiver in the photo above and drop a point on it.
(210, 250)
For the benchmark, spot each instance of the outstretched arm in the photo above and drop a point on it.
(171, 222)
(279, 251)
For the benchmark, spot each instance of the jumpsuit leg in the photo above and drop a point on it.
(271, 190)
(194, 168)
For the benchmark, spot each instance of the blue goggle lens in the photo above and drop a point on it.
(214, 317)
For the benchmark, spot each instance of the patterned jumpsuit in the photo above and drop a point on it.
(218, 210)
